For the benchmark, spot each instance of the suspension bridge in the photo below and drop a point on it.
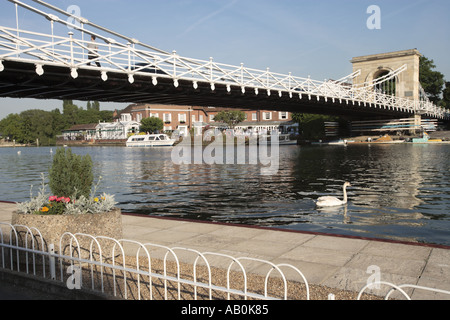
(66, 64)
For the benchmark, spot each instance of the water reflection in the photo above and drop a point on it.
(398, 191)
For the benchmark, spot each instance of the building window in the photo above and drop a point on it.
(267, 116)
(182, 117)
(125, 117)
(193, 118)
(167, 117)
(283, 115)
(211, 117)
(154, 115)
(167, 128)
(254, 117)
(200, 118)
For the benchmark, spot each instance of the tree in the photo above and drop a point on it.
(446, 96)
(11, 127)
(432, 81)
(151, 125)
(96, 105)
(231, 118)
(33, 125)
(70, 112)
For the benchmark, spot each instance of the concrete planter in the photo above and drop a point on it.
(52, 228)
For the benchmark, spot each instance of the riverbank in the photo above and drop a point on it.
(4, 144)
(331, 264)
(438, 137)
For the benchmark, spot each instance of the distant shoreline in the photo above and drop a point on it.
(443, 135)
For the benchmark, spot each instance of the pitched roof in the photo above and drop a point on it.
(82, 127)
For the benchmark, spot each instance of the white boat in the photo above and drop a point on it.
(285, 139)
(338, 143)
(331, 143)
(150, 140)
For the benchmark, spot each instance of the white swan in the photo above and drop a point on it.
(332, 201)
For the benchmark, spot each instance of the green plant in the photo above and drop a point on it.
(71, 175)
(151, 125)
(231, 118)
(46, 204)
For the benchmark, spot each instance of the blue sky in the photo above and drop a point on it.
(305, 37)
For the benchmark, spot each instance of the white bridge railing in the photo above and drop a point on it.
(127, 269)
(134, 58)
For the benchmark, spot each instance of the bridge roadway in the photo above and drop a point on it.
(330, 261)
(20, 80)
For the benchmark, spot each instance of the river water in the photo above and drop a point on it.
(399, 192)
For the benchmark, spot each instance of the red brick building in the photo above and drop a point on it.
(184, 118)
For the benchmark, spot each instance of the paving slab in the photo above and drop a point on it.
(334, 261)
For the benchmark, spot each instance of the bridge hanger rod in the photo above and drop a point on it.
(28, 7)
(86, 21)
(51, 17)
(54, 18)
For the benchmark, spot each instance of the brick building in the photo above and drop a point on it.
(184, 118)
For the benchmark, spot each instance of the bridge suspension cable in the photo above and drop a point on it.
(85, 21)
(44, 50)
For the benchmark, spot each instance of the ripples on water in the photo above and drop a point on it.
(398, 191)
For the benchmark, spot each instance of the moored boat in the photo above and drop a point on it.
(285, 139)
(150, 140)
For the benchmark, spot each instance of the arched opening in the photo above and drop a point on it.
(384, 84)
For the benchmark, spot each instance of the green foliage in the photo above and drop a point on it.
(151, 125)
(71, 175)
(37, 125)
(231, 118)
(11, 127)
(446, 96)
(432, 81)
(46, 204)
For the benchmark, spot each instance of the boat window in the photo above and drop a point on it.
(162, 137)
(151, 138)
(138, 139)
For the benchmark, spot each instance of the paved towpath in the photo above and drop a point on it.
(333, 261)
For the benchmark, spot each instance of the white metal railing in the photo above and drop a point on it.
(400, 289)
(106, 266)
(134, 58)
(115, 268)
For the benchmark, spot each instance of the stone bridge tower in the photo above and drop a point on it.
(405, 85)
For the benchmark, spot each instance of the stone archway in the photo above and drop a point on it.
(406, 84)
(388, 87)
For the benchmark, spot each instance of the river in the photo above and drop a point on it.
(399, 192)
